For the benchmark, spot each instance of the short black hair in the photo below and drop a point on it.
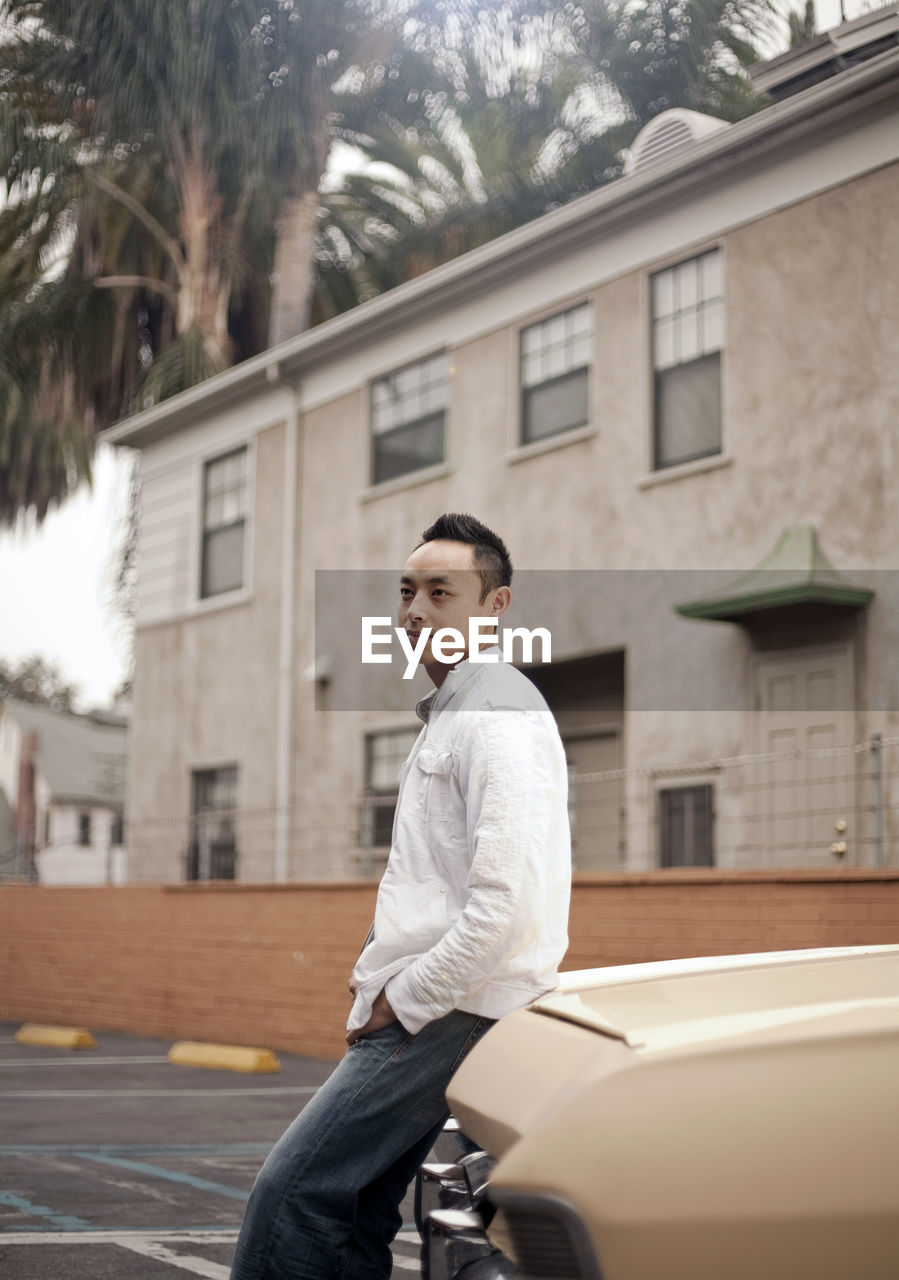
(490, 552)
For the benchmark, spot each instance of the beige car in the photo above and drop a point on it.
(731, 1118)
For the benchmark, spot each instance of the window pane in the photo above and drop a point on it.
(555, 406)
(685, 821)
(222, 560)
(232, 506)
(405, 381)
(530, 340)
(687, 285)
(385, 755)
(224, 489)
(554, 330)
(407, 418)
(688, 411)
(713, 327)
(664, 343)
(215, 476)
(579, 351)
(530, 369)
(408, 448)
(552, 349)
(688, 336)
(215, 511)
(212, 854)
(663, 294)
(556, 362)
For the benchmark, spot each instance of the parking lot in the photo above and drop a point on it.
(118, 1165)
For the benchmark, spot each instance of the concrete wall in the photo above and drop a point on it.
(267, 966)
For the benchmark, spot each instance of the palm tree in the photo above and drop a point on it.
(463, 144)
(528, 115)
(150, 147)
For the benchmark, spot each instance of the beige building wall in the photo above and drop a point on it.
(205, 697)
(810, 400)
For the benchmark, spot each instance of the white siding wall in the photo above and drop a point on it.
(171, 497)
(65, 861)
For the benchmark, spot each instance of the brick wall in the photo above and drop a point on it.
(267, 965)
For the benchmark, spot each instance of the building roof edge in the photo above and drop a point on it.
(779, 125)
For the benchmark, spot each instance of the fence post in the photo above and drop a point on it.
(877, 775)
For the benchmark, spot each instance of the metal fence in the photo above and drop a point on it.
(813, 808)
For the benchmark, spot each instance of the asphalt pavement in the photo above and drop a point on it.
(117, 1165)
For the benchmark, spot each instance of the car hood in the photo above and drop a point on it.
(601, 1023)
(687, 1003)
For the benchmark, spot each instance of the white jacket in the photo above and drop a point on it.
(472, 911)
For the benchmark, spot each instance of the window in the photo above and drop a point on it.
(224, 520)
(687, 336)
(84, 827)
(407, 419)
(385, 754)
(685, 826)
(555, 355)
(117, 829)
(212, 854)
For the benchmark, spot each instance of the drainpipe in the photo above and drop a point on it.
(286, 642)
(877, 775)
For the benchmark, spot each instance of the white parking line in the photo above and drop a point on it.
(154, 1093)
(155, 1244)
(147, 1243)
(80, 1062)
(226, 1236)
(186, 1262)
(406, 1264)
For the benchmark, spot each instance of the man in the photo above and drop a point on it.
(470, 924)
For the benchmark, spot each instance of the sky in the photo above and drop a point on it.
(56, 580)
(56, 585)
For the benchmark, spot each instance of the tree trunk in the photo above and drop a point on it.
(294, 267)
(202, 292)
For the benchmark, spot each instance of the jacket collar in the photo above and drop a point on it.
(455, 679)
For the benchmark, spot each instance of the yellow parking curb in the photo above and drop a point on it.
(55, 1037)
(223, 1057)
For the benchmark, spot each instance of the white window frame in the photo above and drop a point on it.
(678, 782)
(429, 471)
(518, 447)
(240, 595)
(216, 766)
(653, 475)
(367, 790)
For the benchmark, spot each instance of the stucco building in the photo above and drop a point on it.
(677, 398)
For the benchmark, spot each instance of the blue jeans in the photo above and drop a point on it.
(325, 1205)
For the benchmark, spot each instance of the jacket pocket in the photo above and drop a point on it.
(435, 760)
(444, 820)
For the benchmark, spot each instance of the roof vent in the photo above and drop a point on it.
(667, 133)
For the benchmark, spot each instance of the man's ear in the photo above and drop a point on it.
(502, 598)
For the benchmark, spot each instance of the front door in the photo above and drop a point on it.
(804, 784)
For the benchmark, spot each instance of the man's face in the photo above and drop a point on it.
(440, 587)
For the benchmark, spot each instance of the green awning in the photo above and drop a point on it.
(796, 571)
